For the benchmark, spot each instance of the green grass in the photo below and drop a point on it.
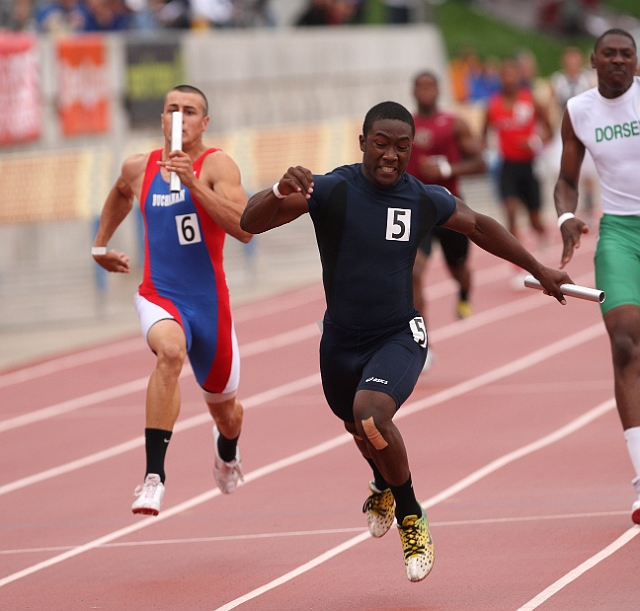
(629, 7)
(461, 25)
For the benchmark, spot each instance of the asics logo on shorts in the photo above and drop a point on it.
(376, 380)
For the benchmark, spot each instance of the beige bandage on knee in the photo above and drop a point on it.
(373, 434)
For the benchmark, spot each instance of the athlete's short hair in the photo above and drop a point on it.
(388, 110)
(617, 31)
(425, 74)
(192, 89)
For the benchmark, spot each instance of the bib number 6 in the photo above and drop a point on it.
(188, 228)
(398, 224)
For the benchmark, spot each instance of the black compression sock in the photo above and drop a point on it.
(464, 295)
(406, 503)
(156, 442)
(227, 447)
(379, 481)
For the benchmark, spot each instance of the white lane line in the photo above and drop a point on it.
(554, 588)
(317, 450)
(533, 358)
(251, 349)
(73, 360)
(464, 483)
(253, 401)
(314, 533)
(444, 395)
(283, 303)
(497, 314)
(281, 340)
(243, 314)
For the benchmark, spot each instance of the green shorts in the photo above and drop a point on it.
(617, 261)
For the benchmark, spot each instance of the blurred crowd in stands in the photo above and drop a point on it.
(59, 16)
(56, 16)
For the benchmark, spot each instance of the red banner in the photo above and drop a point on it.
(83, 101)
(20, 103)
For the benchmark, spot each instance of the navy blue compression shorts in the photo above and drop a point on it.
(388, 360)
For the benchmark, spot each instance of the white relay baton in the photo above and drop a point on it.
(571, 290)
(176, 144)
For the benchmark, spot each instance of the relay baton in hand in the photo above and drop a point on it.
(571, 290)
(176, 144)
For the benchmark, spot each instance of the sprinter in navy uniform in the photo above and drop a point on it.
(369, 219)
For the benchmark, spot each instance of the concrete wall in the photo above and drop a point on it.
(309, 74)
(274, 94)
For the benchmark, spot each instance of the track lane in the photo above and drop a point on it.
(192, 587)
(408, 410)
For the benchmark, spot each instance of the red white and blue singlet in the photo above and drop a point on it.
(184, 276)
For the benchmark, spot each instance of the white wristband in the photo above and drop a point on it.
(445, 168)
(98, 251)
(276, 191)
(565, 217)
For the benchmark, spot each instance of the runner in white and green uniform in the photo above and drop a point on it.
(606, 121)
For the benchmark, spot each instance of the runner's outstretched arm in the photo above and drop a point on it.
(491, 236)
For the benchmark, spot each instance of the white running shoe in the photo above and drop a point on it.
(227, 474)
(149, 496)
(635, 512)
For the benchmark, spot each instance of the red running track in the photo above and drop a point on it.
(515, 449)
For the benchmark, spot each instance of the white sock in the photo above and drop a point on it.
(632, 436)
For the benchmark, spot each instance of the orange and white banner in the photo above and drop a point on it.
(83, 102)
(20, 102)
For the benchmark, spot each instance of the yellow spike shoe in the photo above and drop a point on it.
(417, 545)
(463, 309)
(379, 508)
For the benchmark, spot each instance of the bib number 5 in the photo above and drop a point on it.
(419, 331)
(398, 224)
(188, 229)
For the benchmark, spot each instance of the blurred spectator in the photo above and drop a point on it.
(15, 14)
(330, 12)
(254, 13)
(572, 79)
(540, 87)
(528, 68)
(173, 14)
(211, 13)
(62, 16)
(564, 16)
(343, 11)
(398, 11)
(317, 13)
(462, 69)
(107, 16)
(483, 84)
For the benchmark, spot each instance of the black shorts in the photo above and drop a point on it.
(455, 246)
(386, 360)
(518, 180)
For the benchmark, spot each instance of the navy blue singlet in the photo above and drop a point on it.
(368, 237)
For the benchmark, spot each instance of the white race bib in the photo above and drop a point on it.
(398, 224)
(188, 229)
(419, 330)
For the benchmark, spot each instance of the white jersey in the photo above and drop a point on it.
(610, 130)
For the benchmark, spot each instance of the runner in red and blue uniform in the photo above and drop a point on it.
(183, 300)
